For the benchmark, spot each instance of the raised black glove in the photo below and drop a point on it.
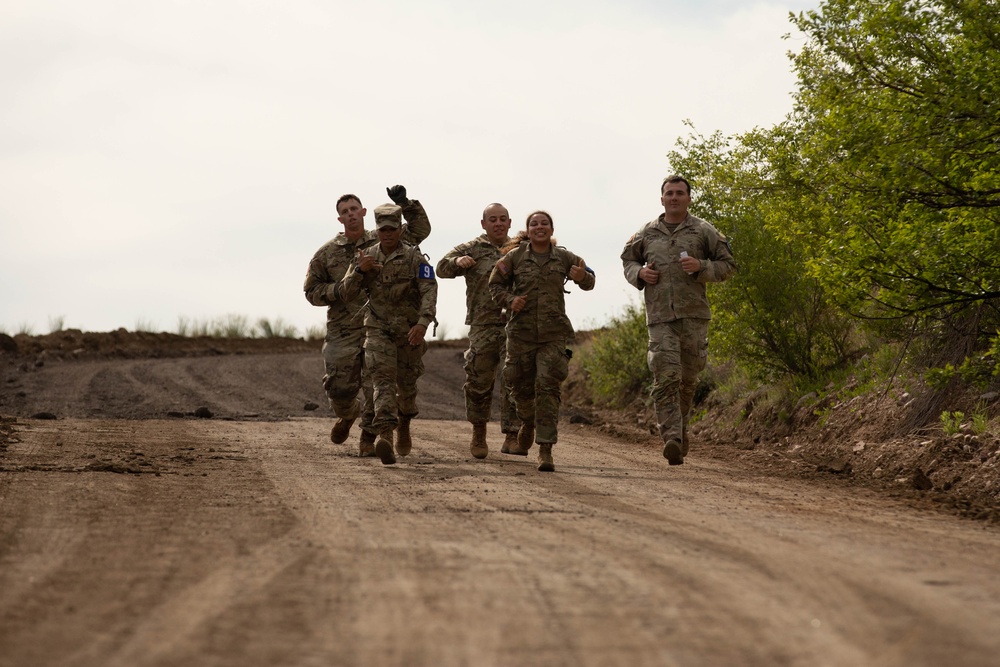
(397, 194)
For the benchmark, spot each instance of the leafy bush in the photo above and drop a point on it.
(616, 361)
(951, 422)
(895, 133)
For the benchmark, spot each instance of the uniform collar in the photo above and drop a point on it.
(368, 235)
(670, 227)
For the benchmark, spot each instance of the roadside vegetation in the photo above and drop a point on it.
(866, 225)
(227, 326)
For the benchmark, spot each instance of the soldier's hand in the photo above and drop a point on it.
(578, 271)
(649, 275)
(366, 262)
(518, 304)
(397, 194)
(690, 265)
(416, 334)
(465, 262)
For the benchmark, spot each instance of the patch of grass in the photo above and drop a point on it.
(316, 332)
(57, 324)
(142, 324)
(276, 328)
(228, 326)
(979, 421)
(870, 375)
(233, 325)
(201, 328)
(731, 382)
(696, 416)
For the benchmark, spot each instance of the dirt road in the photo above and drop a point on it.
(242, 540)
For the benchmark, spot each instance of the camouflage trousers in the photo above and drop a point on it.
(342, 360)
(534, 373)
(393, 365)
(677, 352)
(487, 349)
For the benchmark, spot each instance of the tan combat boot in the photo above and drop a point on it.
(509, 440)
(403, 440)
(479, 448)
(383, 447)
(672, 452)
(545, 463)
(525, 438)
(341, 430)
(366, 447)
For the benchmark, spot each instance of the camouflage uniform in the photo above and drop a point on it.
(487, 338)
(537, 360)
(677, 311)
(401, 294)
(342, 348)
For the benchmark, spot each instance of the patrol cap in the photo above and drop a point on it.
(388, 215)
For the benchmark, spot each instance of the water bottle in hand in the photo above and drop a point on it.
(683, 255)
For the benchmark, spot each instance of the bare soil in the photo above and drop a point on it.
(135, 532)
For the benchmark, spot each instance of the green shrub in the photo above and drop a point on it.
(616, 361)
(951, 422)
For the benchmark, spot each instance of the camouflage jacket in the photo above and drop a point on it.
(400, 294)
(479, 307)
(539, 278)
(676, 294)
(330, 264)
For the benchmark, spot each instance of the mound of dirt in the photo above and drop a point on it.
(123, 344)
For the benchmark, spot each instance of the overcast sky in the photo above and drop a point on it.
(161, 160)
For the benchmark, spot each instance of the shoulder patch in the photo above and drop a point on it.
(725, 242)
(425, 272)
(502, 267)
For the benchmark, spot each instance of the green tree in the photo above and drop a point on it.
(773, 317)
(897, 131)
